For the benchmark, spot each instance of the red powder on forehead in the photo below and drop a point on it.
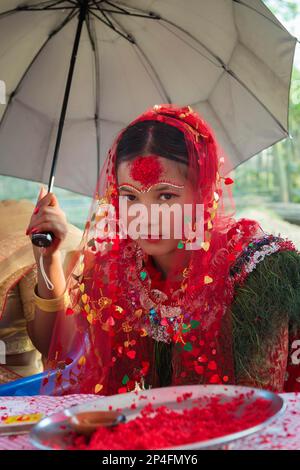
(146, 170)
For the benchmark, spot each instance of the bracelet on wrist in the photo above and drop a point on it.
(51, 305)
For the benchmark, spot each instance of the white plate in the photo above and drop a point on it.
(55, 432)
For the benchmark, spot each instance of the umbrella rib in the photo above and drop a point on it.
(221, 63)
(52, 3)
(117, 7)
(113, 28)
(220, 123)
(122, 11)
(166, 97)
(24, 8)
(9, 12)
(53, 33)
(194, 48)
(127, 14)
(233, 75)
(95, 50)
(48, 9)
(105, 16)
(38, 7)
(44, 3)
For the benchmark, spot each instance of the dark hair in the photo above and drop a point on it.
(152, 137)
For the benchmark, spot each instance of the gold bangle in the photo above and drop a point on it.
(50, 305)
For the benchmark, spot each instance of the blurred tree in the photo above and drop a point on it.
(274, 174)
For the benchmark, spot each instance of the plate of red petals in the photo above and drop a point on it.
(185, 417)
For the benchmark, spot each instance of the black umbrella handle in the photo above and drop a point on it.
(44, 239)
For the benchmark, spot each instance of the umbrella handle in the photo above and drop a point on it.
(42, 239)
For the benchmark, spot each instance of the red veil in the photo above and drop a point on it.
(125, 328)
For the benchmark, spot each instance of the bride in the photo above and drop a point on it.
(147, 304)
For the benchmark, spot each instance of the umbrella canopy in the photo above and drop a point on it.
(231, 60)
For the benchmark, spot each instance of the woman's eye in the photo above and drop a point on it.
(129, 197)
(167, 196)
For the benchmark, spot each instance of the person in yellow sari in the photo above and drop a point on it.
(18, 275)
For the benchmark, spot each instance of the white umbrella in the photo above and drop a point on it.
(229, 60)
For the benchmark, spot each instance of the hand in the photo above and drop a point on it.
(49, 217)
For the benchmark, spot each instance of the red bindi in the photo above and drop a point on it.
(146, 170)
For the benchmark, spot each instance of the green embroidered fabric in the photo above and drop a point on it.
(268, 301)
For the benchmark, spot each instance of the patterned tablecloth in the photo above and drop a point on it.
(283, 433)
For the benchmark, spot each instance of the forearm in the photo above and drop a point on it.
(41, 328)
(54, 270)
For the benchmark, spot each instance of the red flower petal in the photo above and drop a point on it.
(131, 354)
(199, 369)
(228, 181)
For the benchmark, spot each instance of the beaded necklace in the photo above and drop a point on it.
(165, 317)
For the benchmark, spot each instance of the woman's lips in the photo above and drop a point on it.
(152, 239)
